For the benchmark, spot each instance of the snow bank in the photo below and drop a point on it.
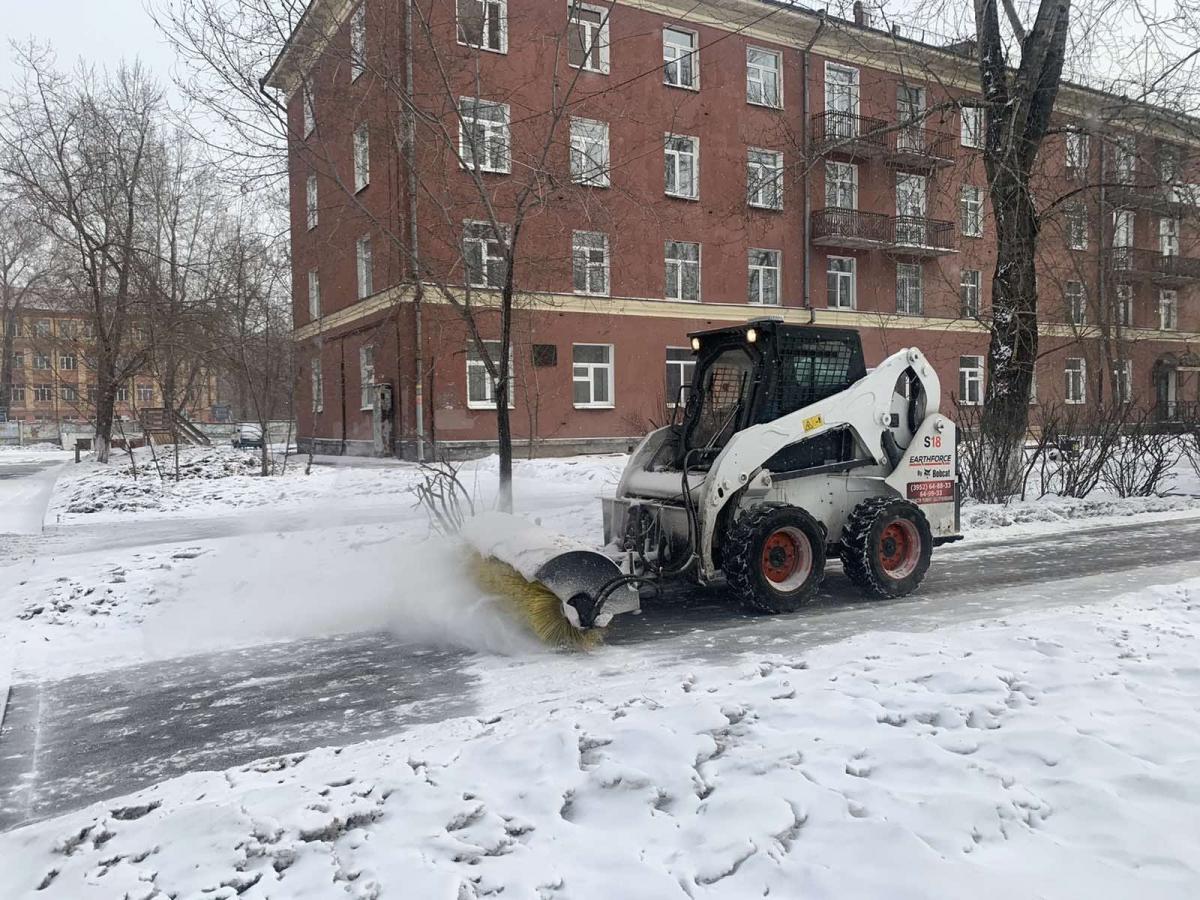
(1051, 755)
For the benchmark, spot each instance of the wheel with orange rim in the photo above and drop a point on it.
(886, 546)
(774, 558)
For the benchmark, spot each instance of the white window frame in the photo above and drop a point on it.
(1125, 305)
(674, 159)
(66, 361)
(1078, 150)
(972, 126)
(494, 143)
(1123, 381)
(760, 77)
(764, 171)
(69, 393)
(314, 294)
(364, 266)
(970, 293)
(584, 244)
(911, 278)
(491, 252)
(489, 387)
(1124, 223)
(318, 386)
(970, 380)
(596, 37)
(769, 270)
(970, 201)
(676, 280)
(841, 183)
(42, 362)
(1077, 226)
(1125, 159)
(489, 8)
(309, 110)
(1075, 389)
(1168, 236)
(43, 392)
(842, 277)
(366, 376)
(842, 123)
(674, 52)
(1075, 300)
(143, 392)
(1168, 309)
(358, 41)
(311, 209)
(685, 367)
(589, 152)
(362, 156)
(589, 378)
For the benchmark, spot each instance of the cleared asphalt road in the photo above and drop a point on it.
(67, 743)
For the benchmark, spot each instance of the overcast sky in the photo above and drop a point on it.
(102, 31)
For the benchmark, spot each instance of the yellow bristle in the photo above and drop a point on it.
(536, 606)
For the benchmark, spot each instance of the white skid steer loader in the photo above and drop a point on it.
(788, 451)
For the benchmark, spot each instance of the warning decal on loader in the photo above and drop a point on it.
(813, 422)
(931, 491)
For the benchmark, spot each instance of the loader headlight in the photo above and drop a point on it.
(695, 345)
(751, 335)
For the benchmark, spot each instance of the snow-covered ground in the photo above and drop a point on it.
(1049, 755)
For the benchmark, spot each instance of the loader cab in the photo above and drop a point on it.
(758, 372)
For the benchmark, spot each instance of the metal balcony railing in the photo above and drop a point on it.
(848, 134)
(921, 236)
(1185, 412)
(905, 235)
(917, 146)
(1153, 265)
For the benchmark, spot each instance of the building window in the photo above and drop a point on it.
(1125, 305)
(681, 60)
(589, 263)
(314, 294)
(1076, 303)
(1122, 228)
(589, 152)
(310, 202)
(910, 114)
(764, 277)
(1125, 159)
(44, 393)
(1075, 371)
(310, 114)
(839, 272)
(41, 361)
(1033, 384)
(587, 37)
(681, 365)
(1123, 381)
(762, 77)
(358, 41)
(970, 380)
(970, 202)
(366, 275)
(483, 255)
(841, 185)
(483, 138)
(481, 390)
(362, 157)
(1077, 226)
(16, 395)
(681, 158)
(1168, 310)
(66, 362)
(764, 178)
(366, 376)
(682, 270)
(41, 328)
(318, 387)
(969, 281)
(68, 394)
(145, 393)
(592, 374)
(1168, 237)
(483, 24)
(18, 359)
(909, 289)
(972, 126)
(841, 102)
(1077, 150)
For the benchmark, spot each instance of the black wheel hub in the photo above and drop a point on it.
(777, 556)
(889, 546)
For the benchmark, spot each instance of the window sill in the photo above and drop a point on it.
(778, 107)
(501, 52)
(591, 184)
(764, 207)
(605, 295)
(359, 190)
(588, 69)
(680, 300)
(594, 405)
(694, 88)
(692, 198)
(488, 407)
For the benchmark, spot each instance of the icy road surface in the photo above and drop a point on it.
(69, 742)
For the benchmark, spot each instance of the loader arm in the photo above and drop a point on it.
(879, 419)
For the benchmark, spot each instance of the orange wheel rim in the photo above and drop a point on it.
(786, 558)
(899, 548)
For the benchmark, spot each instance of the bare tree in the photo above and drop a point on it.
(24, 266)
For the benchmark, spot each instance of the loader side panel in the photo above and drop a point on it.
(927, 474)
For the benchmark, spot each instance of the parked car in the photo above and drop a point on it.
(248, 435)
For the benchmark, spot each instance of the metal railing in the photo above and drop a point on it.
(918, 144)
(1153, 264)
(853, 227)
(1181, 411)
(920, 232)
(834, 131)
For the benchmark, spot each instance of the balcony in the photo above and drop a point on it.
(1129, 264)
(1178, 412)
(912, 236)
(1175, 200)
(919, 148)
(848, 135)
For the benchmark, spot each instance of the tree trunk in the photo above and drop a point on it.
(6, 351)
(106, 400)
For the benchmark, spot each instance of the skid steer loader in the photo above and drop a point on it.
(788, 451)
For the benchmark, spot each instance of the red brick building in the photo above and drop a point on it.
(693, 165)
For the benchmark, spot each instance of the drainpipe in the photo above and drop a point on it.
(1107, 310)
(805, 144)
(410, 163)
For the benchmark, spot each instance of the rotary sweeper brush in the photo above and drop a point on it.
(788, 451)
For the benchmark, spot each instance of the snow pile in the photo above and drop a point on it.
(38, 449)
(979, 519)
(1051, 755)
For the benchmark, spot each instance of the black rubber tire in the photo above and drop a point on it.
(862, 549)
(743, 558)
